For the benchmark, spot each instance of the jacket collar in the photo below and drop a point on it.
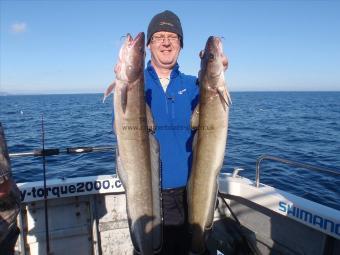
(152, 71)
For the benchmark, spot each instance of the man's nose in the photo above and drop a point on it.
(166, 41)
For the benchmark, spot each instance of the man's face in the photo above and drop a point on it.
(165, 48)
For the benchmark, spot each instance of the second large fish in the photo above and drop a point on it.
(210, 118)
(138, 152)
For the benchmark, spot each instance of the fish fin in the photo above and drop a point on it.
(227, 94)
(194, 122)
(123, 96)
(156, 191)
(194, 149)
(124, 180)
(149, 119)
(210, 219)
(109, 90)
(120, 169)
(224, 94)
(194, 146)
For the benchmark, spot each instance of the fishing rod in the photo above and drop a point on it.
(59, 151)
(45, 193)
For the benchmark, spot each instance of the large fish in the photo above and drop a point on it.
(210, 118)
(138, 151)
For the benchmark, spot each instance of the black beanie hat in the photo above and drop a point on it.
(165, 21)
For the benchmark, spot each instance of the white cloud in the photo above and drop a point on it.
(18, 27)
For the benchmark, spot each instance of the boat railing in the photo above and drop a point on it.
(291, 163)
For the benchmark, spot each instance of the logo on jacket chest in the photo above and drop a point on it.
(180, 92)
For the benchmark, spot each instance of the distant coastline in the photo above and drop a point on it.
(42, 93)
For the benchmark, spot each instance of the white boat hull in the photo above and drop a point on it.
(87, 215)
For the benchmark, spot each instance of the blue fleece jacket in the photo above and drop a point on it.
(172, 112)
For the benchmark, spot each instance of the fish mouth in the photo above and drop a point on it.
(138, 40)
(213, 58)
(214, 39)
(214, 43)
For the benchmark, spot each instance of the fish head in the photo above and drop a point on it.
(131, 58)
(213, 60)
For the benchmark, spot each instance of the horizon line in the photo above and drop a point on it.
(14, 93)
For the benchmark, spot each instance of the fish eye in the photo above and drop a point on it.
(211, 56)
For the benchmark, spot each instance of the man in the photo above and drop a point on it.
(9, 201)
(172, 96)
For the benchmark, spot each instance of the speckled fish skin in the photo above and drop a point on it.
(135, 145)
(210, 118)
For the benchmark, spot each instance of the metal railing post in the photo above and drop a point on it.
(292, 163)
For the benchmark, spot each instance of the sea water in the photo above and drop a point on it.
(300, 126)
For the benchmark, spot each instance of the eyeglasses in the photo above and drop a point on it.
(161, 38)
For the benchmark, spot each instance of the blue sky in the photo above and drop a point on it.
(72, 46)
